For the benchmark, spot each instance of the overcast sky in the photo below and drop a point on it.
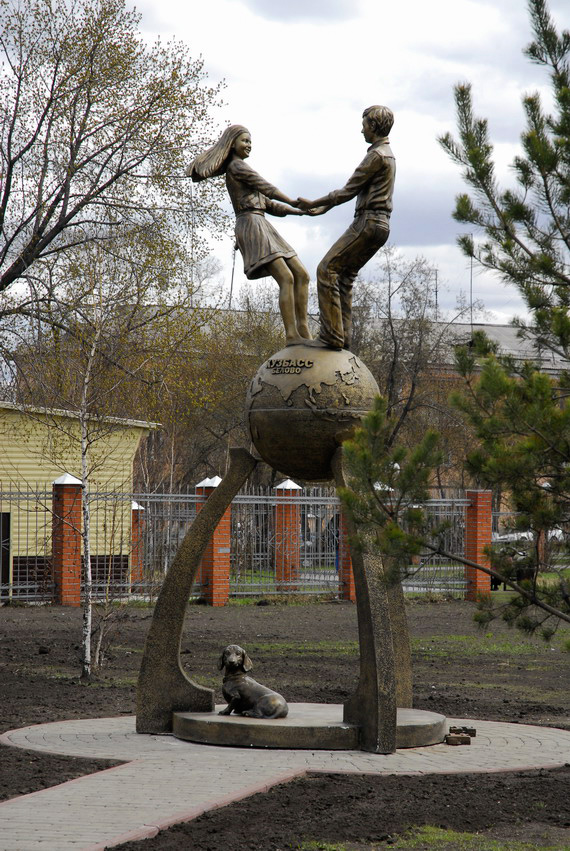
(298, 74)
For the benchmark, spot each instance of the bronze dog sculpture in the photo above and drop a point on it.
(244, 695)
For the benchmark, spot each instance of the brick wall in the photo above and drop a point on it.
(66, 540)
(347, 588)
(215, 564)
(478, 536)
(287, 533)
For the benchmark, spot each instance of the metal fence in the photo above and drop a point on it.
(254, 551)
(436, 574)
(512, 534)
(165, 519)
(25, 550)
(134, 538)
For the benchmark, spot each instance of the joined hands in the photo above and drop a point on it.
(308, 207)
(304, 204)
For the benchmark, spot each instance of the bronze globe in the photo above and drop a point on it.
(302, 403)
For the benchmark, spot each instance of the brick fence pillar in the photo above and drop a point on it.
(287, 533)
(215, 564)
(347, 588)
(66, 540)
(478, 532)
(137, 544)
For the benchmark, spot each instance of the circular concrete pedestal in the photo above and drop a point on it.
(316, 726)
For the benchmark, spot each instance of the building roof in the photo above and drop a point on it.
(510, 343)
(61, 412)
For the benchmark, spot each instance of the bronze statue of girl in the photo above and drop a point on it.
(264, 251)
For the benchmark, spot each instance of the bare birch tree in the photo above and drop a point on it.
(110, 325)
(95, 128)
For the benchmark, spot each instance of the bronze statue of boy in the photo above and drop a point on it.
(373, 184)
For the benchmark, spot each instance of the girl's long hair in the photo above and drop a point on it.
(214, 161)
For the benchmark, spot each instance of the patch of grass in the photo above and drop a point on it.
(71, 675)
(451, 840)
(564, 573)
(302, 648)
(512, 645)
(51, 672)
(474, 645)
(429, 596)
(282, 600)
(125, 648)
(135, 604)
(316, 845)
(502, 596)
(113, 682)
(549, 580)
(205, 679)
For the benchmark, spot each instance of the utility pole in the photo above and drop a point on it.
(471, 289)
(436, 294)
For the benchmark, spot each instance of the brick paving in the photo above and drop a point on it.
(165, 781)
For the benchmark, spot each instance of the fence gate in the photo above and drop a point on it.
(285, 542)
(25, 533)
(435, 574)
(4, 553)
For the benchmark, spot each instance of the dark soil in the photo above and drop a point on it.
(309, 653)
(337, 809)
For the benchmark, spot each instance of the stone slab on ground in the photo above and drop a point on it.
(166, 781)
(311, 726)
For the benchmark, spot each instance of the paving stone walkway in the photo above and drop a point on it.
(165, 780)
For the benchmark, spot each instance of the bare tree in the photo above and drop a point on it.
(95, 128)
(111, 326)
(408, 345)
(202, 396)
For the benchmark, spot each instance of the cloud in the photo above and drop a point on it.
(419, 220)
(300, 72)
(303, 10)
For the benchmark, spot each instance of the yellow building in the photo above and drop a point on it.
(37, 447)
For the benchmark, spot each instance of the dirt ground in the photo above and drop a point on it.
(309, 652)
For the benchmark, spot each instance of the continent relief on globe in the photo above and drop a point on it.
(302, 403)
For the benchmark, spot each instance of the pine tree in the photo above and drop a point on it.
(522, 420)
(388, 485)
(520, 414)
(526, 228)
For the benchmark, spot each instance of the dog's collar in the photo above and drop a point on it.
(235, 674)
